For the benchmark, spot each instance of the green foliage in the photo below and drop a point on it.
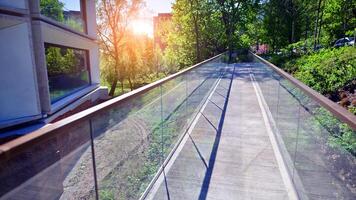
(106, 194)
(283, 22)
(61, 63)
(112, 21)
(74, 24)
(204, 28)
(52, 9)
(190, 39)
(352, 109)
(342, 136)
(328, 70)
(339, 19)
(315, 21)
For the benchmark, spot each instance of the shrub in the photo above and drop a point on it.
(341, 135)
(328, 70)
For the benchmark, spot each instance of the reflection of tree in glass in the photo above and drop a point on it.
(52, 9)
(74, 24)
(62, 61)
(55, 9)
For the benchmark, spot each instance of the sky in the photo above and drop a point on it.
(156, 6)
(144, 23)
(71, 4)
(159, 6)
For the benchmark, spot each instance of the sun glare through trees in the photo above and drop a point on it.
(142, 27)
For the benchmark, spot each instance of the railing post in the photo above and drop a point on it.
(278, 100)
(186, 93)
(296, 142)
(161, 127)
(93, 159)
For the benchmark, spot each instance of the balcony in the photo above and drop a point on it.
(213, 131)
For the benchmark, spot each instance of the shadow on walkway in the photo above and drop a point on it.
(210, 166)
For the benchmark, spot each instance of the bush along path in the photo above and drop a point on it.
(331, 72)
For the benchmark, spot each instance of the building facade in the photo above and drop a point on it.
(49, 59)
(161, 27)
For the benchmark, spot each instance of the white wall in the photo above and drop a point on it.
(18, 86)
(91, 18)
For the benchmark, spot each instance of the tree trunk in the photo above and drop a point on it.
(293, 30)
(122, 86)
(229, 40)
(112, 88)
(306, 35)
(293, 18)
(196, 32)
(316, 24)
(197, 45)
(130, 83)
(157, 70)
(292, 37)
(320, 23)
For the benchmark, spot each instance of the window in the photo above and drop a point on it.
(68, 12)
(20, 4)
(67, 69)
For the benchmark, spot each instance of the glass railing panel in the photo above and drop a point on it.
(287, 116)
(174, 93)
(56, 166)
(324, 162)
(283, 108)
(128, 146)
(321, 149)
(269, 84)
(174, 113)
(189, 94)
(200, 82)
(127, 142)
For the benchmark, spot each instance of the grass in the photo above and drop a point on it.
(139, 83)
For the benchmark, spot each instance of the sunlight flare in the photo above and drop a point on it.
(142, 27)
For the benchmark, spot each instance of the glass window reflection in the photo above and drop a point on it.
(67, 70)
(68, 12)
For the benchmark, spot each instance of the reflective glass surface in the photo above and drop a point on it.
(58, 166)
(67, 70)
(68, 12)
(318, 149)
(115, 153)
(118, 151)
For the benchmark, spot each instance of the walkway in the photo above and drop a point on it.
(228, 154)
(257, 136)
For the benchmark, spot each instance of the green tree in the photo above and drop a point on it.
(52, 9)
(339, 19)
(61, 63)
(313, 21)
(196, 33)
(113, 17)
(286, 21)
(235, 15)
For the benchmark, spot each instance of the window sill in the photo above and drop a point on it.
(71, 98)
(13, 11)
(61, 25)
